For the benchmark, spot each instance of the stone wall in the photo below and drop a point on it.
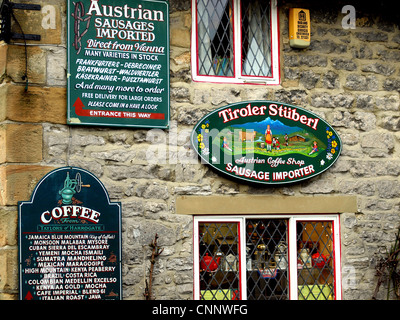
(350, 77)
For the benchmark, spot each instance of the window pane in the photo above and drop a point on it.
(219, 261)
(267, 259)
(215, 37)
(256, 38)
(315, 265)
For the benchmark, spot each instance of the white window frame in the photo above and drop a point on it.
(239, 78)
(292, 247)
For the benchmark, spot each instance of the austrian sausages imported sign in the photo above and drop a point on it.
(118, 63)
(70, 239)
(266, 142)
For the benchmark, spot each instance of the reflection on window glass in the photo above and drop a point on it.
(256, 38)
(267, 259)
(215, 37)
(315, 261)
(219, 261)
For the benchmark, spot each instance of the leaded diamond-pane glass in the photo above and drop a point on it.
(219, 261)
(256, 38)
(215, 37)
(267, 259)
(315, 265)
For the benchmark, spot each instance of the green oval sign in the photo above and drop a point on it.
(266, 142)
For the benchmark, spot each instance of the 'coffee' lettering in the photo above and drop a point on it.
(70, 211)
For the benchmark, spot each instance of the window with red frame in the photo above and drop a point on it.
(235, 41)
(264, 258)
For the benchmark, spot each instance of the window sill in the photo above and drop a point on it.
(227, 80)
(254, 204)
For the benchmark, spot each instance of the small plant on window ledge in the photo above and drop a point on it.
(388, 270)
(156, 251)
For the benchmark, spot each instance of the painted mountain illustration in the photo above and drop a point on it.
(277, 127)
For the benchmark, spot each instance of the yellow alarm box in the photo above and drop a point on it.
(299, 28)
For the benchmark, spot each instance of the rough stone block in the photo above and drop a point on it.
(8, 226)
(377, 144)
(179, 30)
(344, 64)
(8, 267)
(3, 53)
(20, 142)
(55, 143)
(16, 64)
(391, 123)
(38, 104)
(180, 38)
(3, 101)
(361, 83)
(388, 189)
(18, 182)
(372, 36)
(57, 66)
(392, 85)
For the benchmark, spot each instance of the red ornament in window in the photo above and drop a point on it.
(319, 260)
(209, 263)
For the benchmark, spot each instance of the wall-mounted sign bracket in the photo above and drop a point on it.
(25, 6)
(6, 13)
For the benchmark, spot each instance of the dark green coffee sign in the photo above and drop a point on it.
(266, 142)
(118, 63)
(70, 239)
